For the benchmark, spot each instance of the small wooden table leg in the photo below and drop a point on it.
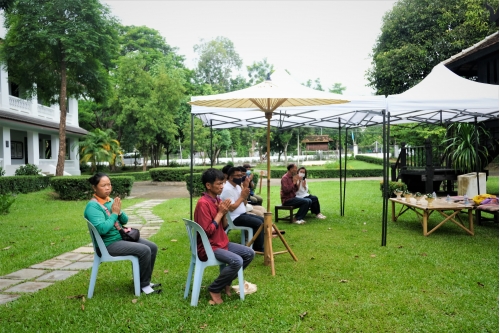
(471, 222)
(393, 211)
(425, 217)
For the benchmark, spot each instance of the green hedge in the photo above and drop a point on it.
(332, 173)
(23, 184)
(198, 186)
(78, 188)
(138, 176)
(370, 159)
(173, 174)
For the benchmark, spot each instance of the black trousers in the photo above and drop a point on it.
(315, 208)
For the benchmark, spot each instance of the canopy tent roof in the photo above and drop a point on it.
(441, 97)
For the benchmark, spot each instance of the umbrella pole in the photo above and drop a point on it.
(268, 225)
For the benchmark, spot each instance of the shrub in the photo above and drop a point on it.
(23, 184)
(370, 159)
(198, 186)
(6, 200)
(393, 186)
(173, 174)
(2, 172)
(79, 188)
(28, 170)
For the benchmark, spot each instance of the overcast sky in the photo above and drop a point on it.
(331, 40)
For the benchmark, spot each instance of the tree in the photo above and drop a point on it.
(217, 60)
(99, 146)
(258, 71)
(318, 85)
(418, 34)
(337, 88)
(59, 48)
(148, 101)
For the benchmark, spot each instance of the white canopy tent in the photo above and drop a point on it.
(442, 97)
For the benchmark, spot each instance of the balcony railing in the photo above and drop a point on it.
(20, 105)
(45, 112)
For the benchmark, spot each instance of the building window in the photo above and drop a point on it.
(16, 150)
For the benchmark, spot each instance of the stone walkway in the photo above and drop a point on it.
(44, 274)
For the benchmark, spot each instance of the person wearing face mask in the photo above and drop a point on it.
(237, 191)
(303, 192)
(289, 187)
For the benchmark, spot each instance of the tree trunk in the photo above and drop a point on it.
(286, 153)
(61, 156)
(145, 161)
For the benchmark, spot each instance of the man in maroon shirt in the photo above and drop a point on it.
(289, 186)
(210, 214)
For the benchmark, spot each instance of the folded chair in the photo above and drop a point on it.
(193, 229)
(231, 226)
(104, 256)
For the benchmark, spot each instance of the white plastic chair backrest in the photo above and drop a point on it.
(193, 230)
(97, 241)
(230, 224)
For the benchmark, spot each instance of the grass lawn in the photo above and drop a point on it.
(344, 280)
(351, 165)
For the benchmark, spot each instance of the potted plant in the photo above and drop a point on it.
(418, 197)
(398, 193)
(407, 194)
(429, 197)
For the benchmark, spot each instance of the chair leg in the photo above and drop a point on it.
(198, 276)
(137, 276)
(93, 276)
(190, 276)
(243, 237)
(241, 281)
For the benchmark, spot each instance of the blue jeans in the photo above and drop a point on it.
(235, 257)
(143, 249)
(254, 222)
(302, 203)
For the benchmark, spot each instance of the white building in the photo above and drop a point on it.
(29, 131)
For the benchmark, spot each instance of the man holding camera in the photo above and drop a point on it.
(289, 187)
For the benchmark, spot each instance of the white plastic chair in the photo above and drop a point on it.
(193, 229)
(98, 244)
(231, 226)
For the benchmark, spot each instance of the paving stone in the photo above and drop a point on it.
(88, 257)
(71, 256)
(4, 283)
(8, 298)
(150, 228)
(28, 287)
(52, 264)
(25, 274)
(79, 265)
(85, 249)
(57, 276)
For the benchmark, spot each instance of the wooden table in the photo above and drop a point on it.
(440, 205)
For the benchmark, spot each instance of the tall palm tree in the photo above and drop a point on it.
(99, 146)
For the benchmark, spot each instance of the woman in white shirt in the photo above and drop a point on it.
(303, 192)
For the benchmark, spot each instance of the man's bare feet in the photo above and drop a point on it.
(228, 290)
(216, 298)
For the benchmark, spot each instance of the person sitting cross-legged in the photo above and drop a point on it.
(289, 188)
(210, 214)
(237, 191)
(303, 192)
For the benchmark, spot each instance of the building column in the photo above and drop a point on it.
(73, 152)
(355, 149)
(33, 148)
(6, 144)
(4, 89)
(73, 110)
(54, 147)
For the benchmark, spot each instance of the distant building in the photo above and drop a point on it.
(317, 142)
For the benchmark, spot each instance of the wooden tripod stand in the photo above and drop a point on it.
(267, 227)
